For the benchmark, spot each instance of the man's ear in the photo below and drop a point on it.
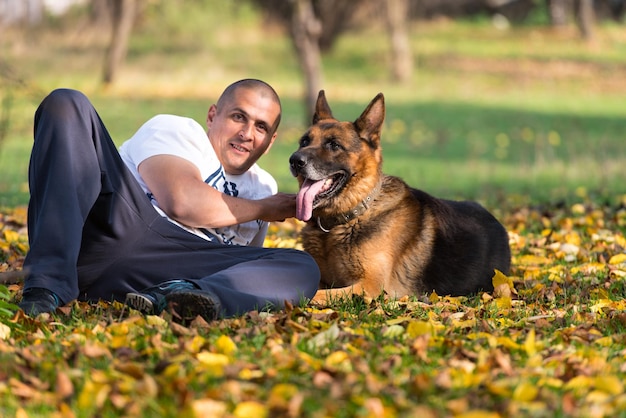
(211, 115)
(271, 142)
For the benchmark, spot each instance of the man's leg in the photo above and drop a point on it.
(280, 275)
(239, 278)
(75, 176)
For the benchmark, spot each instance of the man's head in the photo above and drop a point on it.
(242, 125)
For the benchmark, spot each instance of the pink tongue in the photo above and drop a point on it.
(304, 201)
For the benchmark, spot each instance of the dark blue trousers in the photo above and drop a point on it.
(94, 234)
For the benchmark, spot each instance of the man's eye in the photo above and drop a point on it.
(262, 128)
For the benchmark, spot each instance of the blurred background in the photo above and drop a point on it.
(511, 102)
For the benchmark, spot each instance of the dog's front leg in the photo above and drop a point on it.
(327, 296)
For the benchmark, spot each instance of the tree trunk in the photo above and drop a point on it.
(396, 13)
(122, 18)
(306, 30)
(585, 17)
(557, 11)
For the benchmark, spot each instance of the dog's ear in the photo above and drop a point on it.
(370, 123)
(322, 110)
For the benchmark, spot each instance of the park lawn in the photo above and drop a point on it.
(548, 341)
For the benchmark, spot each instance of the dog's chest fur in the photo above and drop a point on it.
(377, 239)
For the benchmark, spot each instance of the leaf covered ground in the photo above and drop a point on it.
(548, 341)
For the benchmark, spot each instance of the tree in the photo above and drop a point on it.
(306, 30)
(557, 11)
(122, 21)
(397, 12)
(585, 17)
(315, 25)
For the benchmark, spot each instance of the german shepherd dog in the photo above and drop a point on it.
(372, 233)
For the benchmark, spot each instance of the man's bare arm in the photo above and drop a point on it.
(184, 196)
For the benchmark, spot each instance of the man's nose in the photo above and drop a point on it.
(247, 132)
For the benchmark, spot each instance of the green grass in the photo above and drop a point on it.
(525, 111)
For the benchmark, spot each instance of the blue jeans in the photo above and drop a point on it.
(94, 234)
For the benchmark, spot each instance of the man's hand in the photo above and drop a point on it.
(280, 207)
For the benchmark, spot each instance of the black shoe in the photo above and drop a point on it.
(38, 300)
(186, 305)
(151, 301)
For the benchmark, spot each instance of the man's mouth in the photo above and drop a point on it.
(313, 192)
(239, 148)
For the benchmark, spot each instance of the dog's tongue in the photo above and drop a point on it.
(306, 195)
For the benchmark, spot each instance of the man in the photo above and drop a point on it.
(174, 219)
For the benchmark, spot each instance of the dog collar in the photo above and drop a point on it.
(332, 221)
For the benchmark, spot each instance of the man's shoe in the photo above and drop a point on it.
(151, 301)
(38, 300)
(186, 305)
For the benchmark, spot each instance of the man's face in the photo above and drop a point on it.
(243, 129)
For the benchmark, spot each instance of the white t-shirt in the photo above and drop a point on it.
(186, 138)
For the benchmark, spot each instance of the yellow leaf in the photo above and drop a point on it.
(225, 345)
(500, 278)
(249, 374)
(588, 268)
(398, 320)
(533, 260)
(157, 321)
(478, 413)
(508, 343)
(393, 331)
(309, 360)
(434, 297)
(281, 394)
(609, 384)
(213, 363)
(11, 236)
(551, 382)
(504, 303)
(417, 328)
(499, 388)
(525, 392)
(578, 382)
(618, 259)
(250, 409)
(338, 361)
(529, 344)
(604, 341)
(195, 344)
(5, 331)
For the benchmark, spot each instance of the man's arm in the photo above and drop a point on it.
(184, 196)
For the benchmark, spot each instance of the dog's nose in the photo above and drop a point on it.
(297, 162)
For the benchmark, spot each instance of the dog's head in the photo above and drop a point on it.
(338, 163)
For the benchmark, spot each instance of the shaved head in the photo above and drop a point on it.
(263, 89)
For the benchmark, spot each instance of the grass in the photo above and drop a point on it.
(548, 341)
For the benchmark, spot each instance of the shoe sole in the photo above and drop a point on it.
(186, 306)
(140, 303)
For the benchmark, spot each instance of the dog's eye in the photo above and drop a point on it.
(333, 145)
(304, 141)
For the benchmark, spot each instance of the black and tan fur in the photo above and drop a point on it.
(372, 233)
